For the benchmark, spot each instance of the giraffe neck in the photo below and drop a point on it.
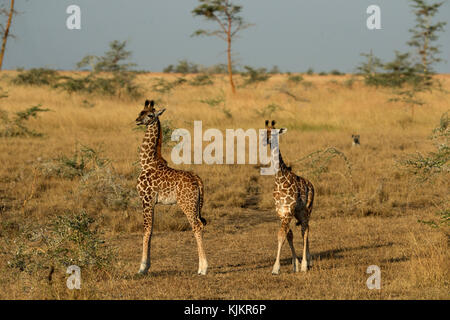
(282, 167)
(151, 145)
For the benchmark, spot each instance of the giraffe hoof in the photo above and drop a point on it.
(202, 272)
(143, 269)
(304, 267)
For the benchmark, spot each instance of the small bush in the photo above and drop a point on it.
(163, 86)
(183, 67)
(307, 84)
(214, 102)
(3, 94)
(104, 188)
(82, 162)
(68, 239)
(349, 83)
(255, 75)
(268, 110)
(318, 162)
(295, 79)
(335, 72)
(17, 127)
(98, 183)
(201, 80)
(119, 84)
(425, 167)
(37, 77)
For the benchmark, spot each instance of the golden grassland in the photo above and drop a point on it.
(367, 218)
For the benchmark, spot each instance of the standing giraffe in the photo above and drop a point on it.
(293, 197)
(158, 183)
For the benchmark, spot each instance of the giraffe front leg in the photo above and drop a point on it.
(146, 241)
(282, 233)
(295, 262)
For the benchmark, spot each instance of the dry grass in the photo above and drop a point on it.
(371, 219)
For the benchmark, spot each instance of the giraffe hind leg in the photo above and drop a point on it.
(306, 257)
(192, 212)
(295, 262)
(282, 234)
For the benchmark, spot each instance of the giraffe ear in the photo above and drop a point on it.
(160, 112)
(282, 131)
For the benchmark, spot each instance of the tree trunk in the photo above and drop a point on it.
(5, 36)
(425, 46)
(230, 67)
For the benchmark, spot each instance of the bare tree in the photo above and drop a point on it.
(5, 30)
(226, 14)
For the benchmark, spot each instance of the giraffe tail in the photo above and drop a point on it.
(310, 197)
(200, 201)
(309, 201)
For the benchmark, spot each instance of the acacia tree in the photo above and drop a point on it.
(425, 32)
(5, 30)
(226, 14)
(110, 61)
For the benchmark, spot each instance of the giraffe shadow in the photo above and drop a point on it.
(334, 254)
(159, 274)
(338, 253)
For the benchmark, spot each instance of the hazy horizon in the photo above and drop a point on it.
(295, 36)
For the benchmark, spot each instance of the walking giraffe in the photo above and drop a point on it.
(293, 197)
(158, 183)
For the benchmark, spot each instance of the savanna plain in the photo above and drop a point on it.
(84, 164)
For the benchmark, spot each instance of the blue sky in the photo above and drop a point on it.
(292, 34)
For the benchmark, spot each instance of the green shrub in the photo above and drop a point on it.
(84, 160)
(67, 239)
(268, 110)
(310, 71)
(295, 79)
(17, 126)
(98, 183)
(37, 77)
(163, 86)
(119, 84)
(426, 167)
(255, 75)
(201, 80)
(335, 72)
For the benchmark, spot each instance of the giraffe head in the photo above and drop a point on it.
(271, 126)
(149, 115)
